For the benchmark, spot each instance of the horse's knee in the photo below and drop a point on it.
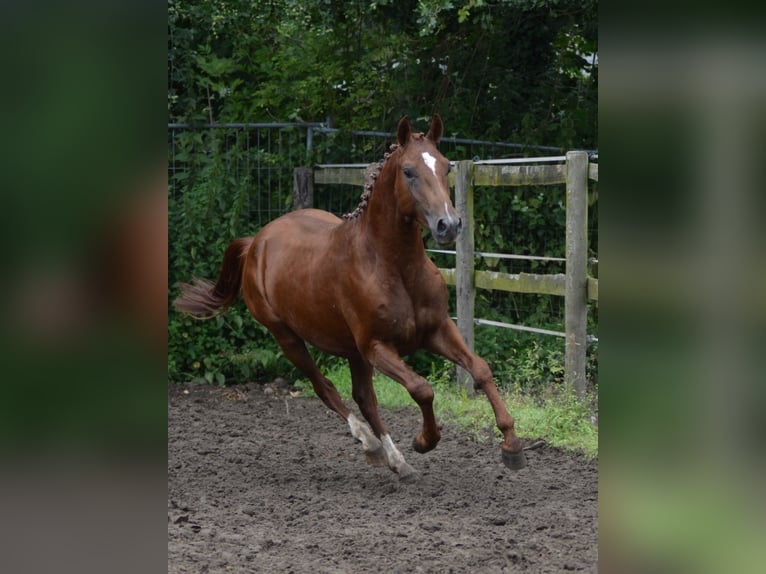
(422, 392)
(481, 373)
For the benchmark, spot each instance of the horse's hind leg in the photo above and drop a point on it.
(377, 453)
(296, 352)
(385, 452)
(364, 395)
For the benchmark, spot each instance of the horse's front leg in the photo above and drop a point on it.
(364, 395)
(448, 342)
(379, 447)
(387, 360)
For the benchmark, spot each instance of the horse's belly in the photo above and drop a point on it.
(323, 327)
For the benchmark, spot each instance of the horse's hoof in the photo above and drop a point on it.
(407, 474)
(376, 457)
(419, 448)
(514, 460)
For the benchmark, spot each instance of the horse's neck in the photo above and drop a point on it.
(396, 238)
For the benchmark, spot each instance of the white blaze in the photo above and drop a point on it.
(448, 214)
(430, 161)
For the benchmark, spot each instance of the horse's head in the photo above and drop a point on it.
(421, 182)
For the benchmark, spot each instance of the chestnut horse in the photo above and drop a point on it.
(363, 289)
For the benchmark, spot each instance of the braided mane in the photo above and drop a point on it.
(371, 173)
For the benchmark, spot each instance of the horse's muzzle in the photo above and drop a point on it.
(446, 230)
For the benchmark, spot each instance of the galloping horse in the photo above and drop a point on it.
(363, 289)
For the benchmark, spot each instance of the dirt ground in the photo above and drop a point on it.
(261, 481)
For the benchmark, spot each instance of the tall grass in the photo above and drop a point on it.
(560, 418)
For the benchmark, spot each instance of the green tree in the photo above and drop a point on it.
(514, 70)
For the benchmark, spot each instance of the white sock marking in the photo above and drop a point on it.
(394, 458)
(361, 431)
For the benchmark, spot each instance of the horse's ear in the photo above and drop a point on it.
(403, 131)
(436, 130)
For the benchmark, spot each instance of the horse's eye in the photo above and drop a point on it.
(449, 168)
(409, 172)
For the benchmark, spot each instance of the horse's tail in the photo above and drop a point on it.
(202, 299)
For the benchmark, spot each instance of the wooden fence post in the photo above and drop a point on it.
(303, 188)
(464, 264)
(576, 288)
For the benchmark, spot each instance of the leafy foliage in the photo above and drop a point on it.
(519, 70)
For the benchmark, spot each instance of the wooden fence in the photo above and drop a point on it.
(574, 170)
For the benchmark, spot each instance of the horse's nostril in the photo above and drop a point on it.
(441, 227)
